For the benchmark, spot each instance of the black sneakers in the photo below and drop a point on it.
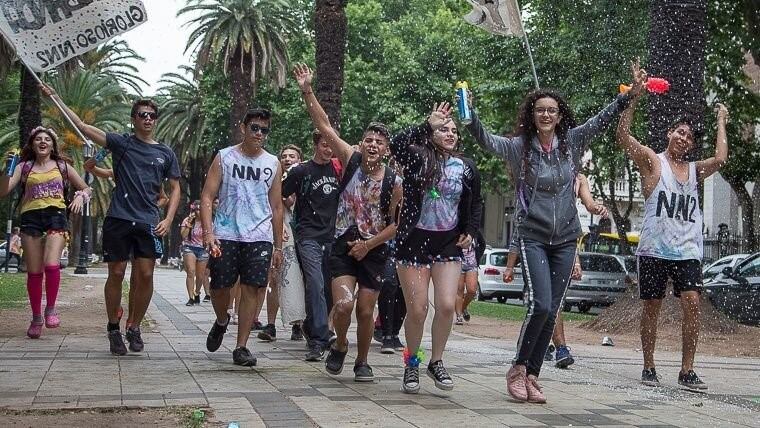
(691, 381)
(215, 335)
(316, 353)
(257, 325)
(268, 333)
(334, 361)
(296, 333)
(397, 345)
(117, 343)
(206, 298)
(411, 383)
(242, 357)
(438, 373)
(466, 315)
(388, 346)
(549, 356)
(649, 377)
(363, 372)
(190, 302)
(135, 340)
(197, 299)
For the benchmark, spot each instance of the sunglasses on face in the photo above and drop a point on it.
(256, 128)
(147, 115)
(553, 111)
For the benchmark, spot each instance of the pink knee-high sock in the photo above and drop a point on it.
(52, 283)
(34, 288)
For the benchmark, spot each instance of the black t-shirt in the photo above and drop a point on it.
(316, 189)
(139, 169)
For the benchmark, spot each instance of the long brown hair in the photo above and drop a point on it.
(27, 152)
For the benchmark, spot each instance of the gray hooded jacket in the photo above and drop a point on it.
(544, 182)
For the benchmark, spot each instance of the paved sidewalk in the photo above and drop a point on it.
(601, 389)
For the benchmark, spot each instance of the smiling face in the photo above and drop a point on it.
(289, 157)
(680, 140)
(546, 115)
(42, 145)
(447, 136)
(322, 151)
(374, 147)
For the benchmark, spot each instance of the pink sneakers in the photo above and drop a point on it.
(35, 330)
(516, 383)
(535, 395)
(51, 319)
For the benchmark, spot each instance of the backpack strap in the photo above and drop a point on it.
(354, 162)
(386, 194)
(26, 169)
(63, 169)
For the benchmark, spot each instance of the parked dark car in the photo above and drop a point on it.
(736, 291)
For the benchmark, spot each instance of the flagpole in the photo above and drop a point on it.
(527, 47)
(86, 141)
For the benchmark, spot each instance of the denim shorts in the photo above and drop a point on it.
(36, 223)
(200, 253)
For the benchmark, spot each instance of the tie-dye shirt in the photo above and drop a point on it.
(43, 189)
(442, 213)
(244, 213)
(359, 205)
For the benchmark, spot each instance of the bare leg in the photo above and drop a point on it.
(689, 329)
(649, 313)
(221, 301)
(365, 311)
(248, 302)
(201, 280)
(445, 283)
(415, 281)
(190, 270)
(112, 290)
(470, 288)
(558, 337)
(273, 298)
(343, 288)
(143, 287)
(460, 296)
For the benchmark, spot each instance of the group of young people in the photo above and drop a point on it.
(346, 230)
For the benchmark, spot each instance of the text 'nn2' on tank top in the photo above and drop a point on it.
(672, 227)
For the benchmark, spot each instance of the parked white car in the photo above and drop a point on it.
(490, 277)
(717, 267)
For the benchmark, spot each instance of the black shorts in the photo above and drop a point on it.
(368, 272)
(654, 273)
(39, 222)
(124, 239)
(249, 261)
(424, 247)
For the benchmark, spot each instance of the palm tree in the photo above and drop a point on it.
(330, 26)
(182, 125)
(250, 40)
(114, 59)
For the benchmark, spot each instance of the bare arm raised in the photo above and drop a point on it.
(710, 166)
(342, 149)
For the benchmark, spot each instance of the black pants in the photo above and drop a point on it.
(391, 304)
(8, 260)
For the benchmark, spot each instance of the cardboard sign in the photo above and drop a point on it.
(46, 33)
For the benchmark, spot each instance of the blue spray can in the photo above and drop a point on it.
(465, 115)
(12, 163)
(100, 155)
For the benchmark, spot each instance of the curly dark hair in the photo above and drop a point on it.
(27, 152)
(526, 124)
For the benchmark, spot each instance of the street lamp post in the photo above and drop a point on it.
(84, 246)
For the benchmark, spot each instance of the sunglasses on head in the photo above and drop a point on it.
(256, 128)
(147, 115)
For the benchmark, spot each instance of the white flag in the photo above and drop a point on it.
(500, 17)
(46, 33)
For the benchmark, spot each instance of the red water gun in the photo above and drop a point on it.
(655, 85)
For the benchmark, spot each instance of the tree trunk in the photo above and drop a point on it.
(677, 31)
(330, 26)
(241, 91)
(748, 217)
(29, 115)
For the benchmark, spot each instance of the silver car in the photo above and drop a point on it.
(490, 277)
(604, 279)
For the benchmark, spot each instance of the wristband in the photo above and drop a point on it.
(83, 194)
